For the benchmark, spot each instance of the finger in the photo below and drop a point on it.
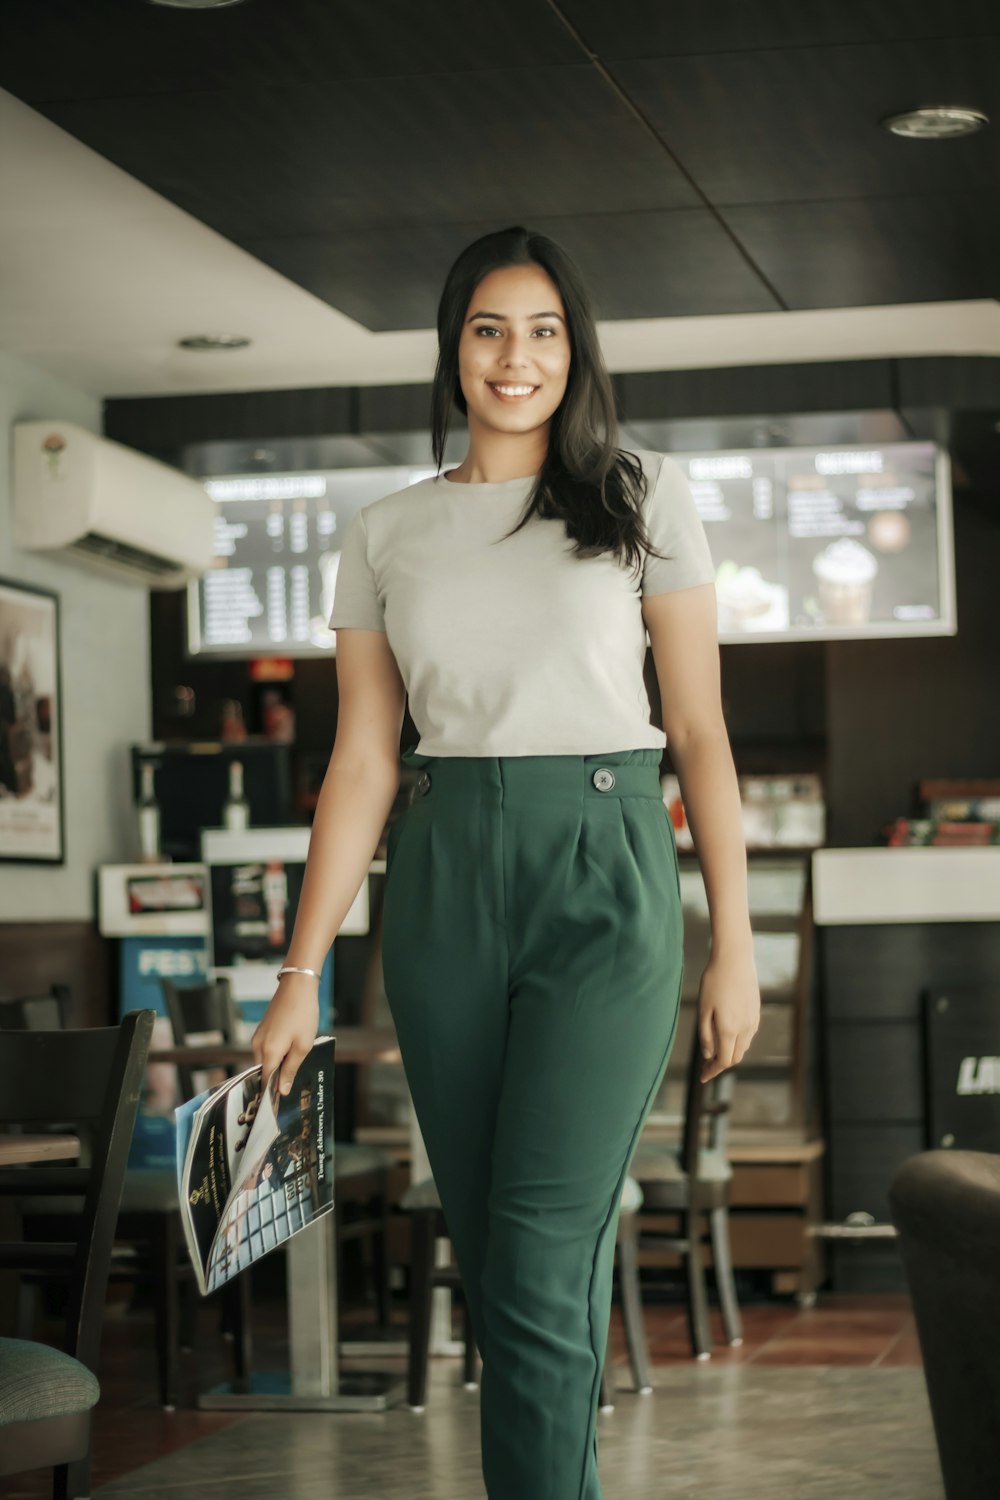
(706, 1036)
(270, 1062)
(289, 1068)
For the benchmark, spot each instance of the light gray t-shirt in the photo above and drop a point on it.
(516, 646)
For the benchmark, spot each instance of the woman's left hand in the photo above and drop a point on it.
(729, 1011)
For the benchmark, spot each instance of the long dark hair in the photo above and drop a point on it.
(595, 487)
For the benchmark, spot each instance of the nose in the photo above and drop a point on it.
(515, 353)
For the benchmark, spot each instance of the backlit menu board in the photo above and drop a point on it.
(277, 550)
(808, 543)
(814, 543)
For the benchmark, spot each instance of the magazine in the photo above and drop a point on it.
(255, 1166)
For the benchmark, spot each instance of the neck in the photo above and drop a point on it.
(494, 457)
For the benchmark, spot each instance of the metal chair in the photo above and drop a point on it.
(692, 1180)
(427, 1224)
(91, 1080)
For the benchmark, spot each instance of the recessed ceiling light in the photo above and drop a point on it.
(211, 341)
(196, 4)
(937, 122)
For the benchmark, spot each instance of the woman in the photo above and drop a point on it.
(532, 928)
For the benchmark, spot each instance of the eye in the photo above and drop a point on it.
(549, 332)
(486, 328)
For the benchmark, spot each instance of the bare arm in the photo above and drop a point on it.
(358, 791)
(683, 633)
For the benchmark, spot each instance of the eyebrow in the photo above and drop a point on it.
(502, 317)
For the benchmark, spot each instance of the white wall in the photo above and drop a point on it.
(104, 628)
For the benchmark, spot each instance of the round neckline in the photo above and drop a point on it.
(483, 484)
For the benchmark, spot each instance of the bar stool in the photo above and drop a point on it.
(691, 1180)
(427, 1224)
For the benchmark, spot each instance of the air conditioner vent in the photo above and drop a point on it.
(96, 545)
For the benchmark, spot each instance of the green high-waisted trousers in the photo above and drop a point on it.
(533, 958)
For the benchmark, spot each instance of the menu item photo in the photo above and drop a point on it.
(824, 543)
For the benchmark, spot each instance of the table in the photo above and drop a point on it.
(16, 1150)
(314, 1381)
(354, 1044)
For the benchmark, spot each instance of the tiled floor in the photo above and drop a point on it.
(708, 1428)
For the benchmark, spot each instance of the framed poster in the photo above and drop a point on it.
(31, 774)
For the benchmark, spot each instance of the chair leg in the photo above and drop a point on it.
(469, 1352)
(631, 1295)
(423, 1233)
(606, 1398)
(240, 1314)
(380, 1257)
(724, 1279)
(72, 1481)
(697, 1300)
(163, 1259)
(187, 1317)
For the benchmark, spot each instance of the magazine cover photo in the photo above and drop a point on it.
(254, 1167)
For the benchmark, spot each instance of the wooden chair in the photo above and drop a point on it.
(150, 1214)
(692, 1180)
(149, 1238)
(427, 1224)
(48, 1011)
(90, 1080)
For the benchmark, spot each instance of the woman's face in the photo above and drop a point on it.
(514, 351)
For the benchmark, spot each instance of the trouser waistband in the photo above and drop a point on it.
(618, 773)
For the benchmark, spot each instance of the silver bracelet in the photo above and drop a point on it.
(293, 969)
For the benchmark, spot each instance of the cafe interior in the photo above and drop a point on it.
(224, 226)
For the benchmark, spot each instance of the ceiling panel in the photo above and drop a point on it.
(762, 127)
(378, 152)
(874, 251)
(133, 48)
(356, 145)
(654, 28)
(636, 264)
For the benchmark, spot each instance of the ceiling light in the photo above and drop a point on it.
(212, 341)
(196, 4)
(936, 123)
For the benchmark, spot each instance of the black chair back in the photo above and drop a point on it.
(89, 1082)
(41, 1012)
(197, 1010)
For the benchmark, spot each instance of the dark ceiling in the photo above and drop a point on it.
(695, 157)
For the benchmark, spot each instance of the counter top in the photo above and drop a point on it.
(854, 887)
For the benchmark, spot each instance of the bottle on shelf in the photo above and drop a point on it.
(148, 813)
(236, 808)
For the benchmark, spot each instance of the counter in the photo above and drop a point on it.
(896, 928)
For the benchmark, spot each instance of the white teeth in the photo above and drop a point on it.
(514, 390)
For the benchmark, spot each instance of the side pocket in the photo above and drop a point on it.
(672, 839)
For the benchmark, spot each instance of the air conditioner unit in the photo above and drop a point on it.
(96, 502)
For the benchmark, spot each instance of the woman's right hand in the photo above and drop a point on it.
(288, 1029)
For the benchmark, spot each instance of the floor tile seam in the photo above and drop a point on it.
(892, 1344)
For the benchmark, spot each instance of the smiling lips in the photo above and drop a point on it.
(511, 392)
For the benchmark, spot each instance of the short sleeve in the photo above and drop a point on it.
(355, 600)
(674, 528)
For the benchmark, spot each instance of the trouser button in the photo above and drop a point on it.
(424, 783)
(603, 779)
